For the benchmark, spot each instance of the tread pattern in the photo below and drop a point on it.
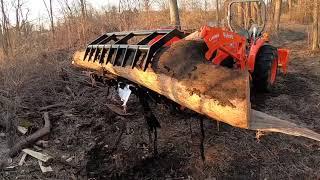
(262, 69)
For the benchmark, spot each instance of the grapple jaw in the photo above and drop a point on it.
(115, 48)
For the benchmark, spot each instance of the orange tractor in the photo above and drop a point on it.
(132, 61)
(244, 48)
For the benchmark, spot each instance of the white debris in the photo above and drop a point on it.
(124, 94)
(43, 168)
(22, 129)
(37, 155)
(23, 159)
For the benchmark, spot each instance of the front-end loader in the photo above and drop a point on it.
(211, 71)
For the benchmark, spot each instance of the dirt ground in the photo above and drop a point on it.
(102, 145)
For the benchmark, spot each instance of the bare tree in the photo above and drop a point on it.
(146, 5)
(290, 5)
(277, 14)
(5, 30)
(315, 26)
(83, 5)
(240, 14)
(50, 13)
(217, 13)
(17, 11)
(254, 12)
(174, 13)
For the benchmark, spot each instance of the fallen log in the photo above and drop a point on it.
(182, 74)
(32, 138)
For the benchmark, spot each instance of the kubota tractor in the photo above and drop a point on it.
(245, 45)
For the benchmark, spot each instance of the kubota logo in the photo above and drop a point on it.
(229, 36)
(214, 37)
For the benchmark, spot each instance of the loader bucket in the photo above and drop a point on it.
(114, 47)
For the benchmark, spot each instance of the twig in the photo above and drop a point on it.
(51, 106)
(33, 137)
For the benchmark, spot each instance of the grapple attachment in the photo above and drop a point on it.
(115, 48)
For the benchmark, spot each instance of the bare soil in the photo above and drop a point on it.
(103, 145)
(185, 61)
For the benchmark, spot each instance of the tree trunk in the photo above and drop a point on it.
(174, 14)
(83, 9)
(51, 17)
(254, 12)
(215, 91)
(247, 15)
(5, 31)
(241, 15)
(217, 13)
(146, 5)
(290, 8)
(277, 14)
(17, 8)
(50, 13)
(84, 18)
(315, 26)
(220, 93)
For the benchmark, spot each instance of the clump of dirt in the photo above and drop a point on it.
(185, 61)
(181, 58)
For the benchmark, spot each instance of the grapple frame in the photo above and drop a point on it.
(114, 47)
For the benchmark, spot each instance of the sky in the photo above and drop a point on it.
(37, 9)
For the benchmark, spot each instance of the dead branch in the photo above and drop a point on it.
(51, 106)
(33, 137)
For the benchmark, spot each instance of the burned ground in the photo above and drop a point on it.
(103, 145)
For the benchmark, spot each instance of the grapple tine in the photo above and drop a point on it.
(86, 53)
(116, 57)
(125, 57)
(135, 58)
(97, 52)
(102, 56)
(92, 50)
(110, 53)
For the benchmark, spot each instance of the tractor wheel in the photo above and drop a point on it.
(265, 69)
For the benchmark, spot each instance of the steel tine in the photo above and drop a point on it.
(109, 56)
(91, 53)
(116, 57)
(125, 57)
(103, 54)
(135, 58)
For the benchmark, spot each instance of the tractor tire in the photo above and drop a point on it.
(262, 78)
